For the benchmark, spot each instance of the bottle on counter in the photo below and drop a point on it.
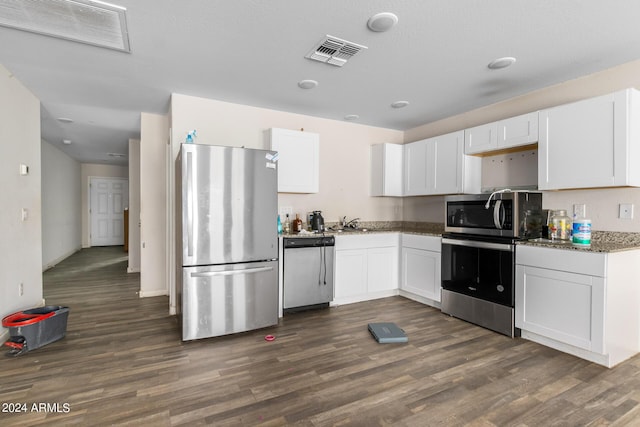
(297, 224)
(279, 226)
(287, 225)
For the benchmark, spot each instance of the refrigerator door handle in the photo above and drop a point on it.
(189, 176)
(231, 272)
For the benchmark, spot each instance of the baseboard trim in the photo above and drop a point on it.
(133, 270)
(4, 335)
(59, 259)
(152, 293)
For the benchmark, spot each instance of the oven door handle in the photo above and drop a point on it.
(498, 214)
(476, 244)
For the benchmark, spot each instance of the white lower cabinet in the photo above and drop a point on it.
(420, 266)
(366, 267)
(579, 302)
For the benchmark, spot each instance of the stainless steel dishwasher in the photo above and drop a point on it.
(308, 272)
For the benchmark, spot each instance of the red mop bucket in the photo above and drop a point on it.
(31, 329)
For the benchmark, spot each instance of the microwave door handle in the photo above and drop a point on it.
(498, 214)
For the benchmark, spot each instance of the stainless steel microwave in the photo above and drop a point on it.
(515, 214)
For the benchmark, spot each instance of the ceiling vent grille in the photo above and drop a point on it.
(86, 21)
(334, 51)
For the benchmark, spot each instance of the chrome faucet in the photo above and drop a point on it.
(350, 224)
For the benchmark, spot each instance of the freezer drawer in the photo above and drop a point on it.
(225, 299)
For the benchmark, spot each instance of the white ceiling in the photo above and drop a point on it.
(252, 52)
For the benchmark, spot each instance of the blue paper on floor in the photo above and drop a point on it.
(387, 333)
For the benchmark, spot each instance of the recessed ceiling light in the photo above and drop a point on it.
(382, 21)
(65, 120)
(351, 117)
(307, 84)
(117, 155)
(504, 62)
(399, 104)
(66, 141)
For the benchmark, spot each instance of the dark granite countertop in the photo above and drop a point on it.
(601, 241)
(376, 227)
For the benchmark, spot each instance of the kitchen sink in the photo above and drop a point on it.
(351, 230)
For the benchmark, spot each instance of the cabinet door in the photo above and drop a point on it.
(445, 157)
(560, 305)
(298, 160)
(387, 170)
(481, 138)
(421, 273)
(415, 168)
(382, 269)
(350, 273)
(583, 145)
(517, 131)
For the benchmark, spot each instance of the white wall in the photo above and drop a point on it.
(134, 206)
(154, 134)
(602, 205)
(88, 170)
(21, 243)
(344, 152)
(61, 222)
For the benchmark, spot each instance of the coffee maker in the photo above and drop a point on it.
(317, 222)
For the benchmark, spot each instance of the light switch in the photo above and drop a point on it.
(24, 170)
(25, 214)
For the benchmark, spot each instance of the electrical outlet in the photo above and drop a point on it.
(580, 211)
(626, 211)
(20, 289)
(284, 210)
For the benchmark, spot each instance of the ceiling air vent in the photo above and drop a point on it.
(86, 21)
(334, 51)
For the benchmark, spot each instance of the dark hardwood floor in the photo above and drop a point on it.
(122, 362)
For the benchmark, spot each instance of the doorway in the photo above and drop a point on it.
(108, 198)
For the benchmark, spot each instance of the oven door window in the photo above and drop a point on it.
(479, 272)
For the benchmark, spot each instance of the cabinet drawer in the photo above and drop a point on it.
(366, 241)
(427, 243)
(574, 261)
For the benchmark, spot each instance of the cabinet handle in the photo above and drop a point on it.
(231, 272)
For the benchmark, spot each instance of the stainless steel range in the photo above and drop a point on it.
(478, 255)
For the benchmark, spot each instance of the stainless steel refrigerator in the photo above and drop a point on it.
(229, 255)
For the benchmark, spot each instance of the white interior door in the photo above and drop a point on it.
(109, 197)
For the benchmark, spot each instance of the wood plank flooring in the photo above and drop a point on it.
(123, 363)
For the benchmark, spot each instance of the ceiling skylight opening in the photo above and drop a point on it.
(86, 21)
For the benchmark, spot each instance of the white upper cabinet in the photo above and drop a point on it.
(415, 168)
(508, 133)
(386, 170)
(438, 166)
(518, 131)
(591, 143)
(298, 160)
(481, 139)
